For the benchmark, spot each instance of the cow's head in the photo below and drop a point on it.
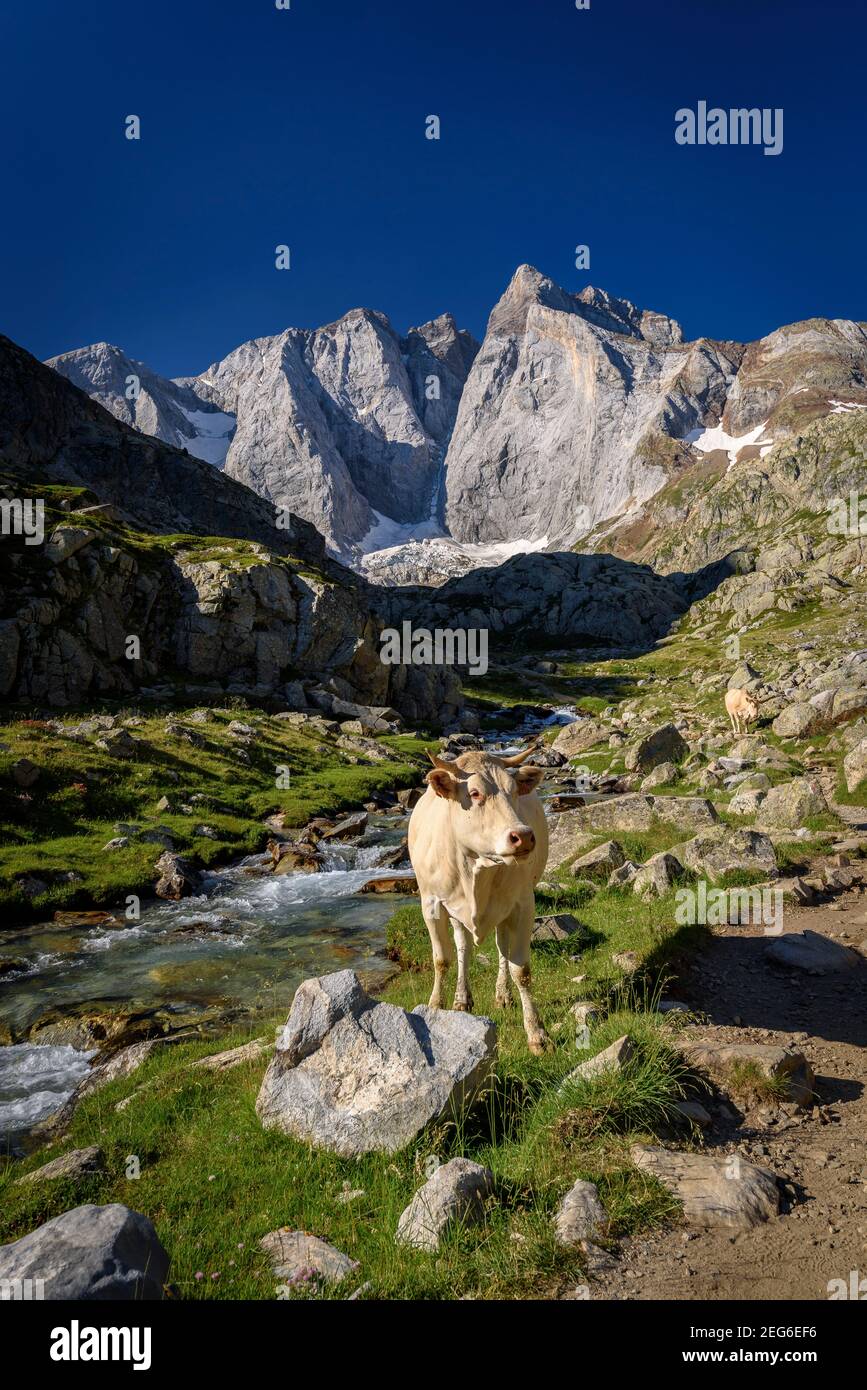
(750, 709)
(485, 792)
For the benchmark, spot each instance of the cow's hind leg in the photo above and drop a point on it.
(437, 923)
(503, 995)
(521, 924)
(463, 998)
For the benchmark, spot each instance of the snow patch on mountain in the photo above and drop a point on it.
(212, 435)
(707, 440)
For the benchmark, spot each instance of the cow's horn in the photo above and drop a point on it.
(521, 757)
(440, 762)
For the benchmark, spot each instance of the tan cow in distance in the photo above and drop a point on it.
(742, 708)
(478, 842)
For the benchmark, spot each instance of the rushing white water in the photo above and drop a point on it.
(35, 1081)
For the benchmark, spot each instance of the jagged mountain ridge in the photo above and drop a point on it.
(574, 413)
(341, 424)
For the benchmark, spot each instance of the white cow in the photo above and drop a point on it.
(478, 842)
(741, 708)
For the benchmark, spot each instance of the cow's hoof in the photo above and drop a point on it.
(465, 1008)
(540, 1044)
(503, 1001)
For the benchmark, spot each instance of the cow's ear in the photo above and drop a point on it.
(444, 783)
(528, 779)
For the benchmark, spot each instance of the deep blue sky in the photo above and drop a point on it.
(307, 127)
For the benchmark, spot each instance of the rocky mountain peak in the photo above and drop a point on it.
(621, 316)
(527, 288)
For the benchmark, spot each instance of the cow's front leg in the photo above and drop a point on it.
(503, 994)
(437, 922)
(463, 998)
(521, 923)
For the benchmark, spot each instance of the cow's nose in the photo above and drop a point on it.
(522, 839)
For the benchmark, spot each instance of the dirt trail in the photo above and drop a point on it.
(821, 1233)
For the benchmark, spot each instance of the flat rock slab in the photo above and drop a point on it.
(121, 1063)
(356, 1076)
(557, 927)
(78, 1163)
(90, 1253)
(234, 1057)
(297, 1256)
(774, 1063)
(454, 1195)
(715, 1192)
(638, 811)
(810, 951)
(391, 883)
(722, 851)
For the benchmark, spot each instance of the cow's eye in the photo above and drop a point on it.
(476, 795)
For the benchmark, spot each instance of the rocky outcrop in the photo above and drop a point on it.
(242, 621)
(564, 596)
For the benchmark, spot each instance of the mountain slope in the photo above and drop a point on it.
(49, 429)
(172, 411)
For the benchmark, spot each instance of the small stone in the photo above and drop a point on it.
(296, 1254)
(613, 1058)
(25, 773)
(78, 1163)
(455, 1194)
(580, 1215)
(557, 927)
